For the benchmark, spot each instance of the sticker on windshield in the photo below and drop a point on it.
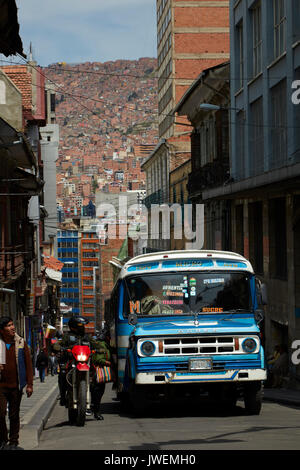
(175, 288)
(214, 281)
(193, 281)
(212, 309)
(135, 307)
(171, 293)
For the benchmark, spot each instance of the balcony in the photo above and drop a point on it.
(211, 175)
(154, 198)
(12, 263)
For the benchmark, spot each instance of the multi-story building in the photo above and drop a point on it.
(207, 103)
(265, 156)
(68, 253)
(191, 36)
(49, 150)
(89, 279)
(179, 195)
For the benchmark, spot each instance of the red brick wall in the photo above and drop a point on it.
(201, 17)
(197, 43)
(106, 254)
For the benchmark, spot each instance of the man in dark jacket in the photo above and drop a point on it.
(76, 335)
(17, 372)
(41, 364)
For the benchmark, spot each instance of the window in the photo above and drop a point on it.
(279, 27)
(257, 138)
(180, 293)
(256, 236)
(240, 55)
(279, 125)
(257, 40)
(278, 241)
(240, 139)
(239, 217)
(195, 150)
(52, 102)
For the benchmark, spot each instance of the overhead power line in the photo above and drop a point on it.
(62, 91)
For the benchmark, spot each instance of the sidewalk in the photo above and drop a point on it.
(283, 396)
(35, 410)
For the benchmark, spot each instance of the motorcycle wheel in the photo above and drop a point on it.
(81, 411)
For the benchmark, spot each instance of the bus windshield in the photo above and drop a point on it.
(186, 293)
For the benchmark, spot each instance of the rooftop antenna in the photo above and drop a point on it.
(30, 53)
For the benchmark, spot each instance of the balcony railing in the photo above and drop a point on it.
(210, 175)
(12, 262)
(154, 198)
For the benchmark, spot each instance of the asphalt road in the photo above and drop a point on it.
(181, 427)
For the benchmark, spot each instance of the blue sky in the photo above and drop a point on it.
(87, 30)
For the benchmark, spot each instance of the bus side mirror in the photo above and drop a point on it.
(261, 291)
(259, 315)
(132, 319)
(263, 294)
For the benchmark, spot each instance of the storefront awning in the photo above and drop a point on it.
(28, 181)
(53, 275)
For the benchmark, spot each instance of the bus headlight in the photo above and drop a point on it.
(249, 345)
(148, 348)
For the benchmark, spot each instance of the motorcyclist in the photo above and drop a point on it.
(76, 335)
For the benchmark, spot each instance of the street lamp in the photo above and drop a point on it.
(216, 107)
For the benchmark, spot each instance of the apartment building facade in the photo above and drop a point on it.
(191, 36)
(89, 277)
(68, 253)
(265, 156)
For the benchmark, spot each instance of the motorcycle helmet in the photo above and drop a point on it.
(77, 324)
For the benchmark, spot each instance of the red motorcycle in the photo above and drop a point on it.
(78, 397)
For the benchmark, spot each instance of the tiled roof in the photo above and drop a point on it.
(52, 263)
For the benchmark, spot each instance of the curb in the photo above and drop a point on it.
(283, 401)
(30, 432)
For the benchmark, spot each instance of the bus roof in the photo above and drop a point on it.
(185, 259)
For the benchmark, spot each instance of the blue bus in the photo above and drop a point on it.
(188, 323)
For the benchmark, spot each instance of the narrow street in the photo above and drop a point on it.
(205, 427)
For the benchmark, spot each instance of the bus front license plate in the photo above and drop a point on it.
(200, 364)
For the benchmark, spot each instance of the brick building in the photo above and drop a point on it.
(191, 36)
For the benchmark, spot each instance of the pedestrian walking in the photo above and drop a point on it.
(280, 367)
(53, 363)
(41, 364)
(17, 373)
(103, 370)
